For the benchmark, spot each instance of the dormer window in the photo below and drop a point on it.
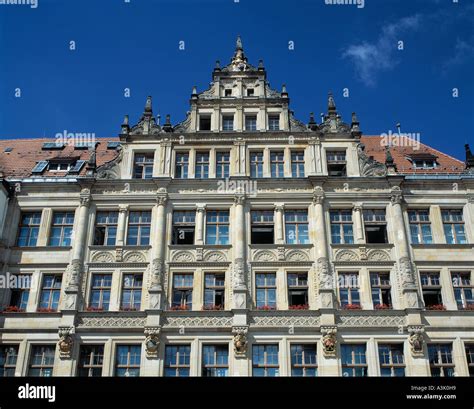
(204, 122)
(250, 92)
(336, 162)
(228, 92)
(59, 166)
(423, 160)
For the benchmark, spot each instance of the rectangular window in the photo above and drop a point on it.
(61, 229)
(303, 360)
(297, 164)
(105, 228)
(217, 227)
(183, 227)
(441, 359)
(138, 232)
(91, 360)
(143, 165)
(28, 229)
(250, 122)
(256, 164)
(182, 298)
(336, 163)
(204, 122)
(265, 360)
(391, 359)
(214, 291)
(20, 294)
(431, 288)
(182, 165)
(420, 227)
(131, 292)
(202, 165)
(463, 290)
(215, 360)
(262, 227)
(375, 226)
(274, 122)
(228, 92)
(228, 123)
(277, 163)
(250, 92)
(222, 164)
(349, 290)
(381, 290)
(470, 358)
(177, 360)
(42, 360)
(453, 224)
(296, 227)
(342, 231)
(50, 293)
(127, 361)
(100, 292)
(298, 291)
(8, 357)
(266, 291)
(354, 361)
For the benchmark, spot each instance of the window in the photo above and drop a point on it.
(441, 359)
(215, 360)
(349, 290)
(431, 288)
(297, 291)
(391, 360)
(463, 290)
(217, 227)
(91, 359)
(256, 164)
(183, 227)
(265, 360)
(470, 358)
(28, 229)
(341, 227)
(250, 122)
(381, 295)
(20, 294)
(274, 122)
(131, 292)
(50, 293)
(182, 298)
(303, 360)
(250, 92)
(336, 162)
(127, 361)
(8, 357)
(61, 229)
(138, 232)
(420, 227)
(424, 164)
(105, 228)
(204, 122)
(214, 291)
(177, 360)
(277, 162)
(296, 227)
(202, 165)
(266, 291)
(297, 164)
(375, 226)
(54, 166)
(262, 228)
(182, 164)
(42, 360)
(453, 224)
(100, 292)
(222, 164)
(354, 362)
(228, 92)
(228, 123)
(143, 165)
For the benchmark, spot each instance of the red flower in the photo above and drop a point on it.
(46, 310)
(266, 308)
(382, 306)
(436, 307)
(179, 308)
(213, 307)
(299, 307)
(469, 307)
(353, 307)
(129, 308)
(94, 309)
(13, 308)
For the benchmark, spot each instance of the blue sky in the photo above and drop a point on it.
(135, 45)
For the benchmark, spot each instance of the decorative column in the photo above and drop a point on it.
(199, 237)
(164, 161)
(358, 224)
(239, 286)
(240, 168)
(279, 210)
(404, 264)
(121, 227)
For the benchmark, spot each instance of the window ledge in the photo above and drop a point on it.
(357, 245)
(41, 248)
(443, 246)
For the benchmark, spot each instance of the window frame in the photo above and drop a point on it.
(451, 222)
(214, 367)
(304, 366)
(380, 286)
(256, 162)
(108, 227)
(391, 365)
(353, 292)
(141, 226)
(90, 366)
(459, 284)
(439, 364)
(181, 165)
(266, 366)
(340, 223)
(67, 222)
(135, 291)
(45, 364)
(186, 292)
(221, 223)
(222, 164)
(415, 221)
(202, 164)
(128, 364)
(297, 164)
(178, 367)
(277, 163)
(214, 289)
(101, 289)
(8, 369)
(266, 288)
(31, 240)
(141, 169)
(52, 305)
(300, 238)
(353, 366)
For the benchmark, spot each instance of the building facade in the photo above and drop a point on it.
(239, 242)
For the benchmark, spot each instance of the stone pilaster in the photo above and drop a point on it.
(199, 235)
(239, 286)
(240, 168)
(279, 228)
(358, 224)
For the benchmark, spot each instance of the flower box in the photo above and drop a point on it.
(95, 309)
(383, 307)
(46, 310)
(469, 307)
(13, 308)
(266, 308)
(436, 307)
(352, 307)
(299, 307)
(212, 307)
(179, 308)
(128, 309)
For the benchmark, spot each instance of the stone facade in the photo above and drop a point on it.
(242, 117)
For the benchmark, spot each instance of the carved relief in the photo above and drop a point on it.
(329, 340)
(134, 257)
(102, 257)
(416, 339)
(324, 274)
(239, 273)
(265, 255)
(297, 255)
(156, 273)
(66, 342)
(183, 257)
(368, 166)
(346, 255)
(240, 340)
(73, 272)
(152, 341)
(405, 269)
(378, 255)
(215, 256)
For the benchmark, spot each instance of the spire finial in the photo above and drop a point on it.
(469, 157)
(238, 43)
(148, 107)
(331, 103)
